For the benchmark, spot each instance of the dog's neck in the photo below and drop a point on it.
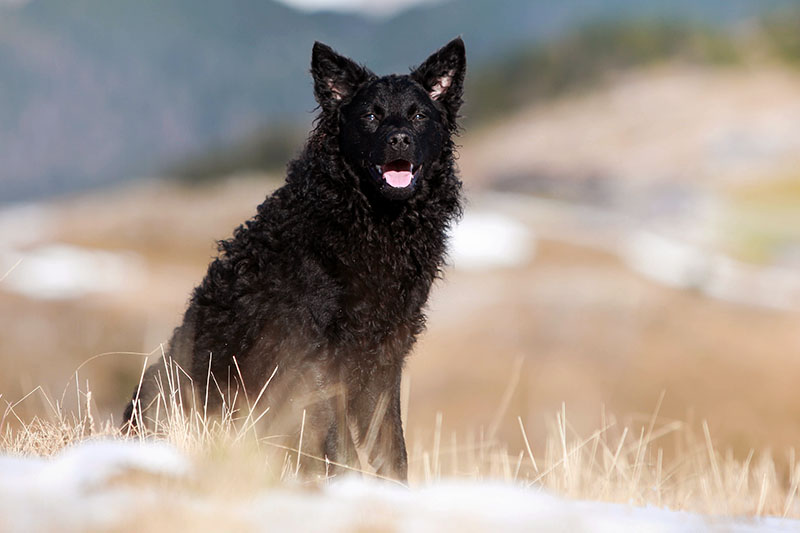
(415, 229)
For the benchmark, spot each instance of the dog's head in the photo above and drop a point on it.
(391, 129)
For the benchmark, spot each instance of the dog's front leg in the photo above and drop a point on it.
(377, 428)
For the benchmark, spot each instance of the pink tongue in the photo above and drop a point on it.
(398, 179)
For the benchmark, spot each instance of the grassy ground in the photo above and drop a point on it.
(587, 331)
(617, 462)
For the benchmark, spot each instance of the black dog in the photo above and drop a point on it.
(327, 283)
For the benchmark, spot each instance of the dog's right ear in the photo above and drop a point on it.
(336, 77)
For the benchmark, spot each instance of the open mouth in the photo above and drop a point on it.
(398, 173)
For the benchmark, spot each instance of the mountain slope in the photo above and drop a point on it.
(95, 91)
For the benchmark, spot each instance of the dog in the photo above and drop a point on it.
(313, 305)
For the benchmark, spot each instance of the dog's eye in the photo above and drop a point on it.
(369, 117)
(419, 116)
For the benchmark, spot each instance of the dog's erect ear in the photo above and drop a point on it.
(336, 78)
(442, 75)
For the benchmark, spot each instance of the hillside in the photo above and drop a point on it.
(98, 91)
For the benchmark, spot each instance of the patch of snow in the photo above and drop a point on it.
(485, 240)
(668, 261)
(450, 506)
(384, 8)
(75, 491)
(70, 491)
(59, 271)
(89, 465)
(684, 265)
(93, 463)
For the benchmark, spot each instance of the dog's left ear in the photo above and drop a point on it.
(442, 75)
(336, 77)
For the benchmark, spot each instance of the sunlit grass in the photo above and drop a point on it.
(623, 463)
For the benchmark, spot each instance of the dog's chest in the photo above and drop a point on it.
(392, 287)
(383, 286)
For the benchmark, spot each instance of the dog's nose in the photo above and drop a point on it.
(399, 138)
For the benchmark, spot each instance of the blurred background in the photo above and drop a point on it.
(632, 170)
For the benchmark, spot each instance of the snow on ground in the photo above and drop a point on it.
(58, 271)
(74, 490)
(681, 257)
(81, 489)
(39, 270)
(682, 264)
(484, 239)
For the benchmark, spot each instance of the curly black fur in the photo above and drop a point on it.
(328, 281)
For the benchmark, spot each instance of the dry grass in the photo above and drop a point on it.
(623, 463)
